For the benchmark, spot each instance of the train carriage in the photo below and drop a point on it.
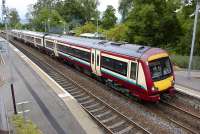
(141, 71)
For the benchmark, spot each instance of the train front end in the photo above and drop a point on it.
(161, 75)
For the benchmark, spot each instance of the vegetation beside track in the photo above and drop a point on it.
(22, 126)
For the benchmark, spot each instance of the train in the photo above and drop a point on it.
(141, 71)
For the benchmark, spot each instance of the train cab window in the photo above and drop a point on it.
(160, 69)
(133, 71)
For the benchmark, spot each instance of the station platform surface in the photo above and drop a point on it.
(188, 85)
(47, 110)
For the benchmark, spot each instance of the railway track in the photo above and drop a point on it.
(92, 106)
(190, 117)
(108, 117)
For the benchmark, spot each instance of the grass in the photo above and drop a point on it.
(22, 127)
(183, 61)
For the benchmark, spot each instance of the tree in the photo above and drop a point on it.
(14, 18)
(77, 11)
(154, 23)
(186, 17)
(89, 27)
(118, 33)
(45, 18)
(109, 19)
(124, 8)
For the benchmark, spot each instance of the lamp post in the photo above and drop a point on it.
(48, 23)
(64, 24)
(193, 37)
(97, 25)
(45, 27)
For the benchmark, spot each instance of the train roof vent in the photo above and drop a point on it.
(142, 49)
(102, 42)
(116, 43)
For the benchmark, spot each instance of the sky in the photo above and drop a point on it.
(22, 5)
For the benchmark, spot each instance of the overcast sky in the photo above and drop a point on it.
(21, 6)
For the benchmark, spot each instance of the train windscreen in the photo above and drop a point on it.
(160, 69)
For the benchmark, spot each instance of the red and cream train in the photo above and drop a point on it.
(141, 71)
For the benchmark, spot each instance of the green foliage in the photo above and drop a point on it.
(77, 11)
(73, 12)
(46, 17)
(109, 19)
(183, 47)
(23, 127)
(2, 26)
(118, 33)
(124, 8)
(13, 17)
(183, 61)
(153, 23)
(89, 27)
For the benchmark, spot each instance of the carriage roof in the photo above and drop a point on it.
(131, 50)
(114, 47)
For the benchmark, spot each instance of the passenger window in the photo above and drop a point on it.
(92, 58)
(120, 67)
(133, 70)
(97, 60)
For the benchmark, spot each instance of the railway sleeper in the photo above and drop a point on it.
(87, 102)
(117, 124)
(77, 92)
(109, 119)
(97, 109)
(125, 130)
(83, 98)
(103, 114)
(92, 106)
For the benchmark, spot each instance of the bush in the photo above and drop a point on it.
(118, 33)
(89, 27)
(183, 61)
(23, 127)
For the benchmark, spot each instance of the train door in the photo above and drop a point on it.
(95, 62)
(34, 41)
(133, 73)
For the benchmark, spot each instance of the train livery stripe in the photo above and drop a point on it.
(157, 56)
(120, 77)
(164, 84)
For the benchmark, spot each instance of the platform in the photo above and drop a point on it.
(188, 85)
(51, 113)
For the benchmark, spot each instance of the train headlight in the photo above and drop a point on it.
(154, 88)
(173, 82)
